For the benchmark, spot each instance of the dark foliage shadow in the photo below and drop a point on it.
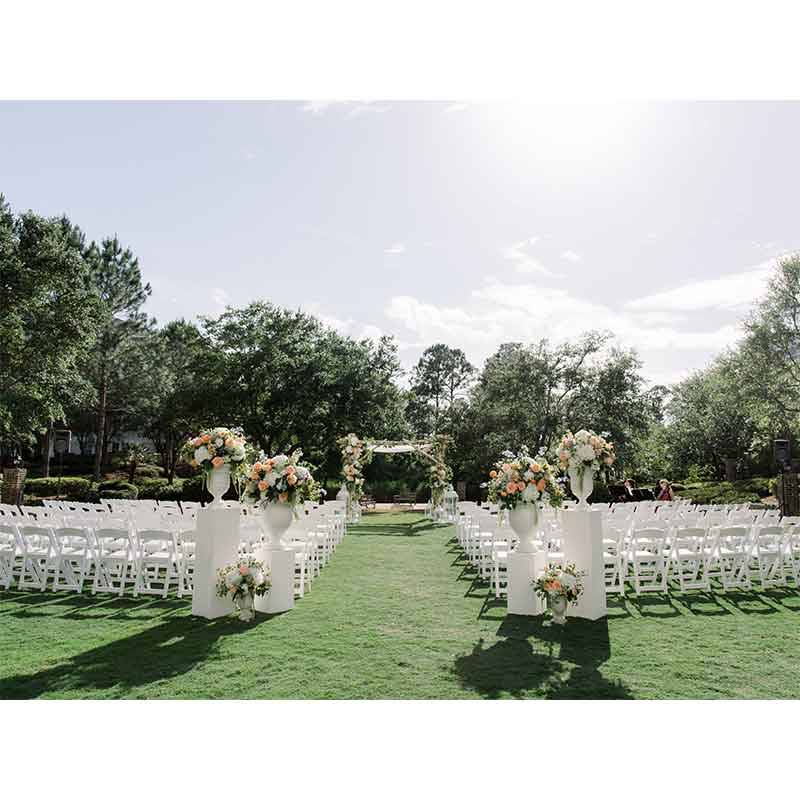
(655, 605)
(88, 606)
(161, 652)
(524, 661)
(417, 528)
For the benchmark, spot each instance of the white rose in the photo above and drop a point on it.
(279, 462)
(585, 452)
(218, 442)
(201, 454)
(233, 579)
(582, 436)
(270, 478)
(238, 453)
(530, 494)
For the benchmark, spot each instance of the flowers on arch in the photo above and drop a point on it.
(558, 581)
(519, 479)
(217, 447)
(355, 455)
(585, 450)
(440, 477)
(241, 582)
(280, 479)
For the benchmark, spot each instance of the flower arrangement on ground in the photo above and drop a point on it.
(355, 455)
(217, 447)
(241, 582)
(559, 586)
(585, 450)
(518, 478)
(280, 479)
(440, 477)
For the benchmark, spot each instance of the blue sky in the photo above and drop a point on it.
(470, 224)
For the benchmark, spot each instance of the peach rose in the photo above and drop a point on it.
(511, 488)
(193, 462)
(206, 438)
(256, 466)
(493, 473)
(197, 442)
(535, 467)
(229, 442)
(283, 497)
(244, 570)
(289, 469)
(520, 487)
(541, 484)
(262, 486)
(218, 461)
(292, 479)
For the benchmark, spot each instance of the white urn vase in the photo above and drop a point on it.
(581, 484)
(218, 481)
(343, 494)
(278, 519)
(524, 521)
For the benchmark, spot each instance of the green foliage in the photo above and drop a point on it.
(121, 490)
(751, 490)
(48, 322)
(71, 488)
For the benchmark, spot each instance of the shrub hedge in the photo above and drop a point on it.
(71, 488)
(117, 490)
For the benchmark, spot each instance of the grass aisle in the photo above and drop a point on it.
(395, 616)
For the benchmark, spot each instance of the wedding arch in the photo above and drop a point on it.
(357, 453)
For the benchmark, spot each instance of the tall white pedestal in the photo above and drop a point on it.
(523, 568)
(583, 546)
(217, 545)
(280, 562)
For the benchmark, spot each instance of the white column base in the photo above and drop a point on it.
(280, 563)
(217, 545)
(583, 546)
(523, 568)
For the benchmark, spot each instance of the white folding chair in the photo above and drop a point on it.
(646, 555)
(156, 563)
(187, 545)
(731, 555)
(37, 556)
(114, 560)
(768, 552)
(687, 558)
(72, 557)
(614, 563)
(9, 550)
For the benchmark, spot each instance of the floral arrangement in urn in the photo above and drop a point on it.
(559, 586)
(585, 450)
(280, 479)
(218, 447)
(440, 477)
(241, 582)
(518, 479)
(355, 455)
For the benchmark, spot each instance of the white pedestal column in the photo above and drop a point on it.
(522, 569)
(583, 546)
(217, 545)
(280, 563)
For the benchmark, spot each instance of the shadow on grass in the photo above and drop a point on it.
(523, 663)
(100, 606)
(158, 653)
(395, 528)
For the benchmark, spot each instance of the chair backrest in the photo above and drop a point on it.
(689, 538)
(734, 535)
(72, 537)
(649, 538)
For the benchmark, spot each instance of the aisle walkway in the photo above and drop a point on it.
(394, 615)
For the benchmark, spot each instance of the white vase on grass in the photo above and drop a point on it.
(524, 521)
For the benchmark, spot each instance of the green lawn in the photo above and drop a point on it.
(395, 615)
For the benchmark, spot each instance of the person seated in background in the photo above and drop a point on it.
(666, 490)
(629, 485)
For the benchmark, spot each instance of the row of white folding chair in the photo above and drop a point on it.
(735, 555)
(69, 554)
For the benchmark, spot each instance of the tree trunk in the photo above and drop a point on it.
(100, 437)
(730, 469)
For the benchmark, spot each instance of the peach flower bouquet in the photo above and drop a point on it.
(280, 479)
(216, 447)
(518, 478)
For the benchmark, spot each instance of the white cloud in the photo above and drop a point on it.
(525, 262)
(346, 327)
(737, 290)
(570, 255)
(317, 107)
(502, 312)
(396, 249)
(220, 298)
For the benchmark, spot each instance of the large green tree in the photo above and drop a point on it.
(124, 331)
(291, 382)
(48, 323)
(440, 379)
